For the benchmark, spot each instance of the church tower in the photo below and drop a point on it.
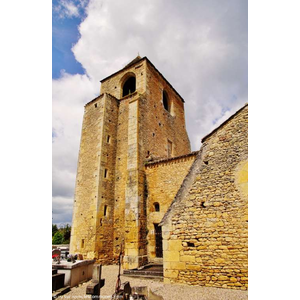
(138, 116)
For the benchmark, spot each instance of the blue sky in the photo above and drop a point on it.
(64, 35)
(201, 47)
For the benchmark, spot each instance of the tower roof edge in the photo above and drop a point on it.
(137, 60)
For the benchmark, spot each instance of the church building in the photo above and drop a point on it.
(139, 187)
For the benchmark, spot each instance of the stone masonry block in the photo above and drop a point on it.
(171, 273)
(187, 258)
(175, 245)
(177, 265)
(171, 256)
(194, 267)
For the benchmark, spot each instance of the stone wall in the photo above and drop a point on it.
(158, 125)
(83, 233)
(120, 176)
(106, 199)
(92, 228)
(163, 179)
(205, 231)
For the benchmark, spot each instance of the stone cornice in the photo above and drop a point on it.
(170, 159)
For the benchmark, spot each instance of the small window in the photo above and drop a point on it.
(129, 86)
(108, 139)
(105, 173)
(105, 210)
(156, 206)
(82, 243)
(166, 101)
(96, 105)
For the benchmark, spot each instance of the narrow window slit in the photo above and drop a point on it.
(105, 173)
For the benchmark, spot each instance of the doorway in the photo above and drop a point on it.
(158, 240)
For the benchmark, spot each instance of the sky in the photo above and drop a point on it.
(200, 46)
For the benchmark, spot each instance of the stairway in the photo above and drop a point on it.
(147, 271)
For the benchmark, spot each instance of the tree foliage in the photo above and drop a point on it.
(61, 235)
(58, 238)
(67, 234)
(54, 229)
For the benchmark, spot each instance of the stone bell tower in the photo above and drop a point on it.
(138, 115)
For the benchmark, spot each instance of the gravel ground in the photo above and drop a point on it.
(168, 291)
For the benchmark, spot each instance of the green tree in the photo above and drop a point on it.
(67, 234)
(58, 238)
(54, 229)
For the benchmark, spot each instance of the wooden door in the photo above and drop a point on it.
(158, 240)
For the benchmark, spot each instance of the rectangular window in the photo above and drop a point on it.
(170, 148)
(105, 210)
(82, 243)
(108, 139)
(105, 173)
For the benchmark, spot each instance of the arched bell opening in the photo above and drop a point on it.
(129, 86)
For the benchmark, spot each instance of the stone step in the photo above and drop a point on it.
(158, 273)
(159, 278)
(150, 270)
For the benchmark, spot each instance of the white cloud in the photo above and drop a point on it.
(69, 8)
(62, 210)
(69, 93)
(199, 46)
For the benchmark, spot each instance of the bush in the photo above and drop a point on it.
(58, 238)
